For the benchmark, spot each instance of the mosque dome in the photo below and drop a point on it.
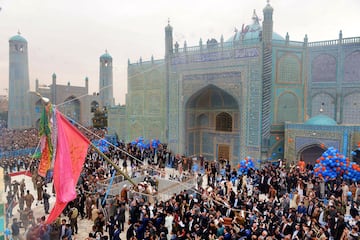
(106, 55)
(252, 31)
(18, 38)
(321, 120)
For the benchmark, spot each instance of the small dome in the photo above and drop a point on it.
(321, 120)
(106, 55)
(18, 38)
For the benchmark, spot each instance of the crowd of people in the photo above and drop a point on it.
(273, 202)
(12, 139)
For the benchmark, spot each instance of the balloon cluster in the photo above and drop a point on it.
(102, 145)
(142, 143)
(332, 164)
(245, 165)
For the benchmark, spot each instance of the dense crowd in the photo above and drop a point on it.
(18, 139)
(274, 202)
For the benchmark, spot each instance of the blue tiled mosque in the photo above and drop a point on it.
(255, 94)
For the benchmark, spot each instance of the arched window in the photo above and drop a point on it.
(224, 122)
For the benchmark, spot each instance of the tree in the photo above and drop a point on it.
(100, 118)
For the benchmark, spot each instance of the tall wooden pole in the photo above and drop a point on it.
(114, 165)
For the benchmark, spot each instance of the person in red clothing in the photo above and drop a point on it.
(301, 165)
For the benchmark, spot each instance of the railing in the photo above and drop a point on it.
(354, 40)
(324, 43)
(289, 43)
(216, 46)
(165, 193)
(166, 187)
(15, 153)
(344, 41)
(148, 62)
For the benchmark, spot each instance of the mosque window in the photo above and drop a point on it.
(224, 122)
(289, 69)
(21, 48)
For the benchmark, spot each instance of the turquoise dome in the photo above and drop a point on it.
(18, 38)
(252, 32)
(106, 55)
(322, 120)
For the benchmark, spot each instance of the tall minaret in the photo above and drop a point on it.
(19, 109)
(168, 40)
(106, 80)
(267, 32)
(168, 54)
(267, 29)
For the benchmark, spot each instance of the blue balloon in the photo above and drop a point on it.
(195, 167)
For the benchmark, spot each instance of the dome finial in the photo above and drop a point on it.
(169, 21)
(106, 51)
(255, 17)
(18, 32)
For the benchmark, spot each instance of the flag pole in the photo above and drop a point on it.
(113, 164)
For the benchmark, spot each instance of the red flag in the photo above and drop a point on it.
(71, 151)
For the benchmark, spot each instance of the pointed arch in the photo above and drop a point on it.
(351, 109)
(211, 114)
(351, 67)
(323, 101)
(289, 69)
(323, 68)
(310, 153)
(287, 107)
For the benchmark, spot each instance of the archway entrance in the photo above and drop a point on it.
(310, 153)
(212, 123)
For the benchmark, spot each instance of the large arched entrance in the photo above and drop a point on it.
(212, 124)
(310, 153)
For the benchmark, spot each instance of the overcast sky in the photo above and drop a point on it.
(67, 37)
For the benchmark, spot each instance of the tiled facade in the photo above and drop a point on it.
(261, 81)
